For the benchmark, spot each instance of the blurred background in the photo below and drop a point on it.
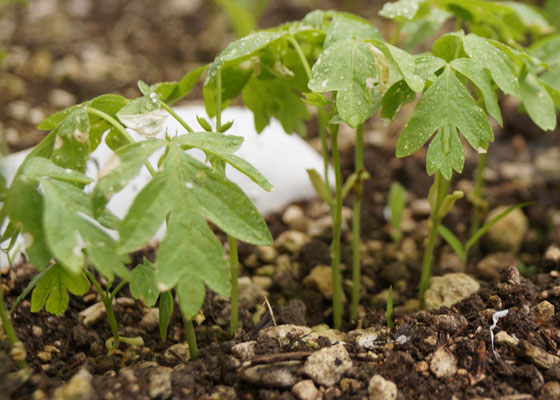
(60, 52)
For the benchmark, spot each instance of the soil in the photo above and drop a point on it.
(444, 354)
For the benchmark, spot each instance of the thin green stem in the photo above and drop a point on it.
(108, 303)
(335, 246)
(9, 328)
(397, 33)
(219, 101)
(117, 289)
(176, 116)
(118, 126)
(301, 55)
(356, 234)
(234, 266)
(191, 337)
(441, 187)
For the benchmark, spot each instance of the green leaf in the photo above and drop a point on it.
(547, 49)
(30, 286)
(398, 95)
(530, 16)
(110, 104)
(449, 46)
(452, 241)
(53, 121)
(421, 29)
(448, 202)
(71, 146)
(485, 55)
(445, 153)
(401, 10)
(482, 79)
(165, 313)
(51, 290)
(427, 66)
(204, 124)
(68, 229)
(389, 310)
(185, 85)
(320, 187)
(143, 283)
(316, 99)
(446, 105)
(538, 102)
(39, 167)
(275, 98)
(223, 203)
(240, 18)
(129, 160)
(347, 67)
(404, 63)
(222, 146)
(348, 26)
(144, 115)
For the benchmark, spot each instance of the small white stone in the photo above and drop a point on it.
(443, 363)
(328, 365)
(380, 388)
(306, 390)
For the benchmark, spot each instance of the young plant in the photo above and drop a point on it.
(389, 310)
(66, 227)
(394, 210)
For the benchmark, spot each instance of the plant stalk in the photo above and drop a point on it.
(441, 186)
(107, 300)
(335, 246)
(356, 226)
(9, 328)
(176, 116)
(191, 337)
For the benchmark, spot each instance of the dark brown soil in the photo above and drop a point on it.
(59, 347)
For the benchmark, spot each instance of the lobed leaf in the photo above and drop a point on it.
(348, 26)
(537, 101)
(143, 283)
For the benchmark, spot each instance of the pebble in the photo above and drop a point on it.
(295, 218)
(44, 356)
(306, 390)
(450, 323)
(37, 331)
(177, 353)
(446, 290)
(291, 241)
(281, 375)
(551, 259)
(320, 278)
(284, 333)
(249, 293)
(150, 319)
(19, 110)
(350, 385)
(506, 338)
(548, 163)
(263, 282)
(92, 314)
(368, 340)
(489, 267)
(543, 311)
(537, 355)
(420, 207)
(267, 254)
(551, 390)
(245, 350)
(160, 383)
(443, 363)
(507, 234)
(421, 366)
(328, 365)
(252, 261)
(380, 388)
(78, 388)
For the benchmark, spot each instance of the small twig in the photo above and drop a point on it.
(273, 319)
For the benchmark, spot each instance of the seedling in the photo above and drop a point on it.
(394, 211)
(389, 310)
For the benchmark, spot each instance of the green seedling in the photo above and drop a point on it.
(389, 310)
(243, 14)
(66, 228)
(394, 211)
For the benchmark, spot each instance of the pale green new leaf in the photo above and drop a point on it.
(51, 290)
(405, 64)
(71, 147)
(347, 67)
(485, 55)
(445, 105)
(538, 102)
(445, 153)
(165, 313)
(398, 95)
(143, 283)
(482, 79)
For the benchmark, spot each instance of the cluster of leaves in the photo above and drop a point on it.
(67, 226)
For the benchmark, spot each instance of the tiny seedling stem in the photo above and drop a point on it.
(191, 337)
(335, 246)
(107, 300)
(356, 234)
(118, 126)
(9, 328)
(441, 187)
